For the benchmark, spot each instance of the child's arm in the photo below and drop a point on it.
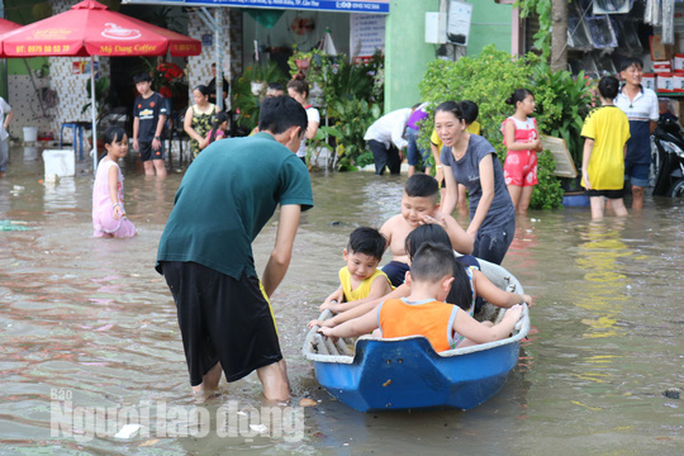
(379, 289)
(336, 295)
(386, 230)
(495, 295)
(586, 155)
(479, 333)
(401, 291)
(512, 144)
(353, 328)
(113, 178)
(136, 128)
(461, 241)
(156, 141)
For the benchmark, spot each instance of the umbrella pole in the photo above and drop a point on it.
(93, 109)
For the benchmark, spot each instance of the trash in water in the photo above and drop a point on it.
(127, 431)
(672, 393)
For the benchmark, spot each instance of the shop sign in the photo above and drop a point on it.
(342, 6)
(366, 35)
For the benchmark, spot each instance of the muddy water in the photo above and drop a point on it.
(87, 323)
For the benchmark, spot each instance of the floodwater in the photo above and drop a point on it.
(87, 324)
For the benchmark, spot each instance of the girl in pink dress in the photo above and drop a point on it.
(109, 216)
(522, 140)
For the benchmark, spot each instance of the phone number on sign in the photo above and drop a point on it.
(358, 5)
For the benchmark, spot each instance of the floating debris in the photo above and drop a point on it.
(672, 393)
(14, 225)
(307, 402)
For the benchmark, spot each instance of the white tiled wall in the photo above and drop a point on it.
(199, 67)
(70, 91)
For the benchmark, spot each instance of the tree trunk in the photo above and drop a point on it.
(559, 35)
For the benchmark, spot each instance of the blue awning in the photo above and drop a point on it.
(341, 6)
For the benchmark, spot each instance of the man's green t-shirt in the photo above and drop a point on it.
(226, 197)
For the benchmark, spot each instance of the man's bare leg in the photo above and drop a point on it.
(210, 380)
(274, 380)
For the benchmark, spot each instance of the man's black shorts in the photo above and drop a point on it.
(222, 319)
(146, 152)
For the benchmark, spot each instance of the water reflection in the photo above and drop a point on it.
(60, 195)
(604, 292)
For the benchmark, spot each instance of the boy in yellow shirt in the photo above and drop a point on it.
(605, 132)
(361, 279)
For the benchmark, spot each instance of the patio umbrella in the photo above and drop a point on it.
(6, 26)
(89, 28)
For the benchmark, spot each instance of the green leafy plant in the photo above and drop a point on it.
(542, 8)
(548, 193)
(563, 102)
(245, 102)
(353, 119)
(341, 80)
(101, 97)
(498, 75)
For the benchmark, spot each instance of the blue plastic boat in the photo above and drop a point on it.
(372, 374)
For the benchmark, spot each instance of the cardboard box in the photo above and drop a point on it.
(678, 62)
(649, 81)
(665, 82)
(662, 66)
(660, 51)
(678, 81)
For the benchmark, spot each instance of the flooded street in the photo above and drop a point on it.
(88, 321)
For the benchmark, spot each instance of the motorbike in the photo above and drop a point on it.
(668, 157)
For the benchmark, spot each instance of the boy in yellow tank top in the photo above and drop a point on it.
(361, 279)
(424, 311)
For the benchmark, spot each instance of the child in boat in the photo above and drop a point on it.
(419, 205)
(479, 284)
(424, 311)
(361, 279)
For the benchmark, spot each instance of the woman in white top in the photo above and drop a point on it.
(197, 122)
(6, 116)
(298, 89)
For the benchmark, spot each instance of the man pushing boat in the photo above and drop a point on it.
(225, 198)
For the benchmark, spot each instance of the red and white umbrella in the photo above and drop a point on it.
(89, 28)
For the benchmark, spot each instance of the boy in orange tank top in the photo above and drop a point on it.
(424, 313)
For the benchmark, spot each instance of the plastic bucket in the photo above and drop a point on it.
(30, 134)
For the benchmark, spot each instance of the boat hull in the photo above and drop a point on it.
(406, 373)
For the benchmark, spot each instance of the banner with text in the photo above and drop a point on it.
(342, 6)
